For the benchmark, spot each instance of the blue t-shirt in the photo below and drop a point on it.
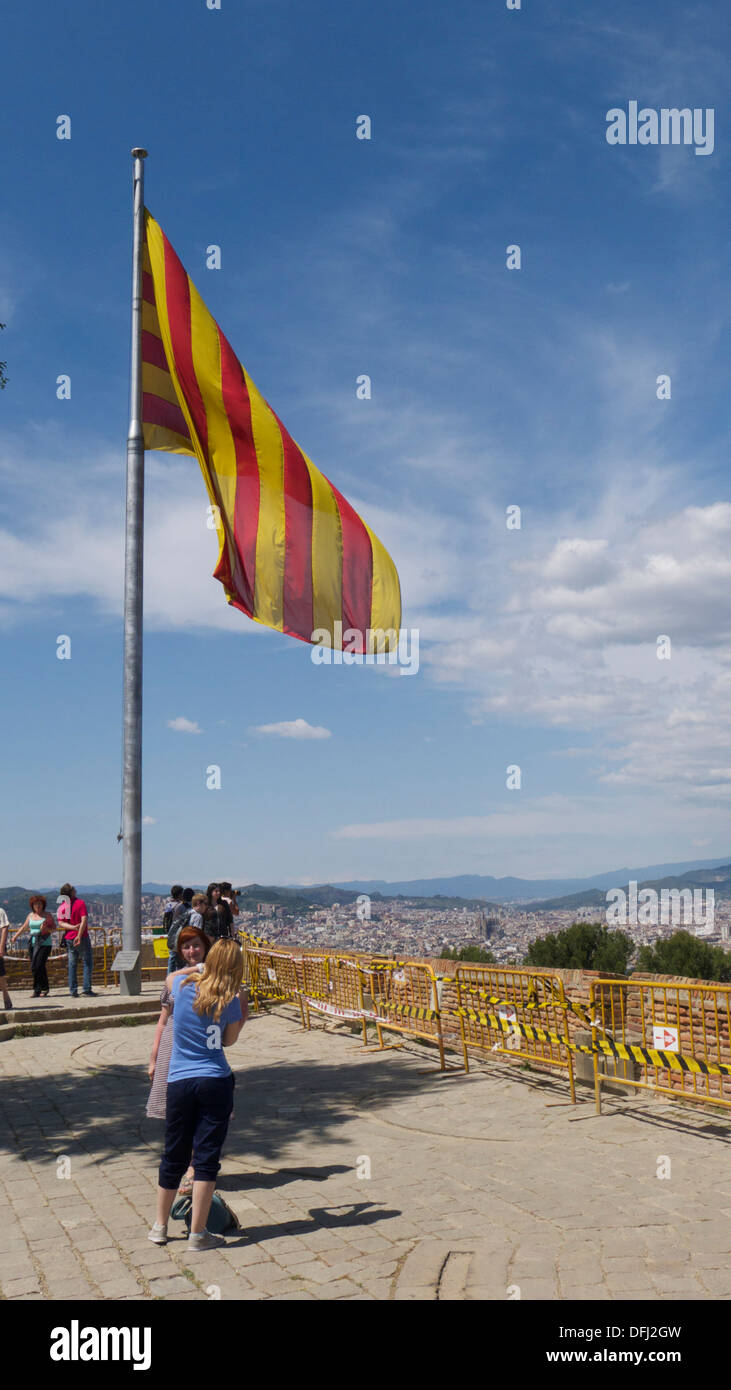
(198, 1039)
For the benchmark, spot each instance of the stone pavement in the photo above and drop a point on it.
(61, 999)
(357, 1175)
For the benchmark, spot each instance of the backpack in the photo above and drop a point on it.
(179, 917)
(221, 1219)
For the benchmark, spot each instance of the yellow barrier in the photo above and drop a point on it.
(403, 997)
(333, 986)
(272, 976)
(515, 1012)
(671, 1039)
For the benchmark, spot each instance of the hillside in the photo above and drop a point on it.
(719, 879)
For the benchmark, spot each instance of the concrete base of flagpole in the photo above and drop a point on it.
(130, 981)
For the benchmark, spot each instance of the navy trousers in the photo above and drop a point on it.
(196, 1120)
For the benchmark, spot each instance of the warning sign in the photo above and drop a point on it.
(508, 1013)
(665, 1038)
(271, 975)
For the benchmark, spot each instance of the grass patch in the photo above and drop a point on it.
(28, 1030)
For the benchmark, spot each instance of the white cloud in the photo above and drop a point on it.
(76, 548)
(577, 563)
(546, 820)
(149, 820)
(293, 728)
(181, 725)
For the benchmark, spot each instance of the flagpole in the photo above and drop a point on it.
(130, 980)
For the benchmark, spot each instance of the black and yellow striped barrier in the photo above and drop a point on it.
(414, 1011)
(691, 1023)
(669, 1061)
(514, 993)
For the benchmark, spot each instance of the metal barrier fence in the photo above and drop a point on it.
(395, 996)
(272, 975)
(403, 997)
(671, 1039)
(102, 953)
(515, 1012)
(332, 985)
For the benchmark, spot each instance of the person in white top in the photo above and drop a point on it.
(4, 929)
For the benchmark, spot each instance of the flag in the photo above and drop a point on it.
(294, 555)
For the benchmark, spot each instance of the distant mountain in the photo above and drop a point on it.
(464, 889)
(718, 878)
(591, 897)
(485, 887)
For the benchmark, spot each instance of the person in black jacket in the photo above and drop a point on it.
(174, 901)
(218, 917)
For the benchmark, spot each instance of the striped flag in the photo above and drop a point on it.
(294, 555)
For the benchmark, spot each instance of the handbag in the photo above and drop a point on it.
(221, 1219)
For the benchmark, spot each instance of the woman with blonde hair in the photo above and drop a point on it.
(192, 948)
(210, 1010)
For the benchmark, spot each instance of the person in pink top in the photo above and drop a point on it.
(75, 919)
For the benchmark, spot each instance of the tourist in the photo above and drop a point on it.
(210, 1011)
(173, 902)
(174, 906)
(228, 896)
(39, 924)
(218, 918)
(198, 909)
(190, 913)
(4, 929)
(181, 918)
(193, 947)
(77, 942)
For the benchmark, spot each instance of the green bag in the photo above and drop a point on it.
(221, 1219)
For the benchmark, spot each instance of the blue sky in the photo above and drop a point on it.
(490, 388)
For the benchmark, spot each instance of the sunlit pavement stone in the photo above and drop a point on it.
(357, 1175)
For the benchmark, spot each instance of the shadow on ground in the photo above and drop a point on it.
(321, 1219)
(277, 1104)
(684, 1123)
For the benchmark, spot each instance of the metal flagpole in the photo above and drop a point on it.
(130, 980)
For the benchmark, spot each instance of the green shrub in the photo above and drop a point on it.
(583, 946)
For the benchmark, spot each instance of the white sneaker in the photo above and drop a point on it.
(204, 1240)
(158, 1235)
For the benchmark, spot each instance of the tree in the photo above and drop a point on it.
(471, 953)
(583, 946)
(3, 365)
(684, 954)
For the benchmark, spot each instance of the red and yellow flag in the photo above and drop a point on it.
(293, 555)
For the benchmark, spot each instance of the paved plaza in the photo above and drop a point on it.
(357, 1175)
